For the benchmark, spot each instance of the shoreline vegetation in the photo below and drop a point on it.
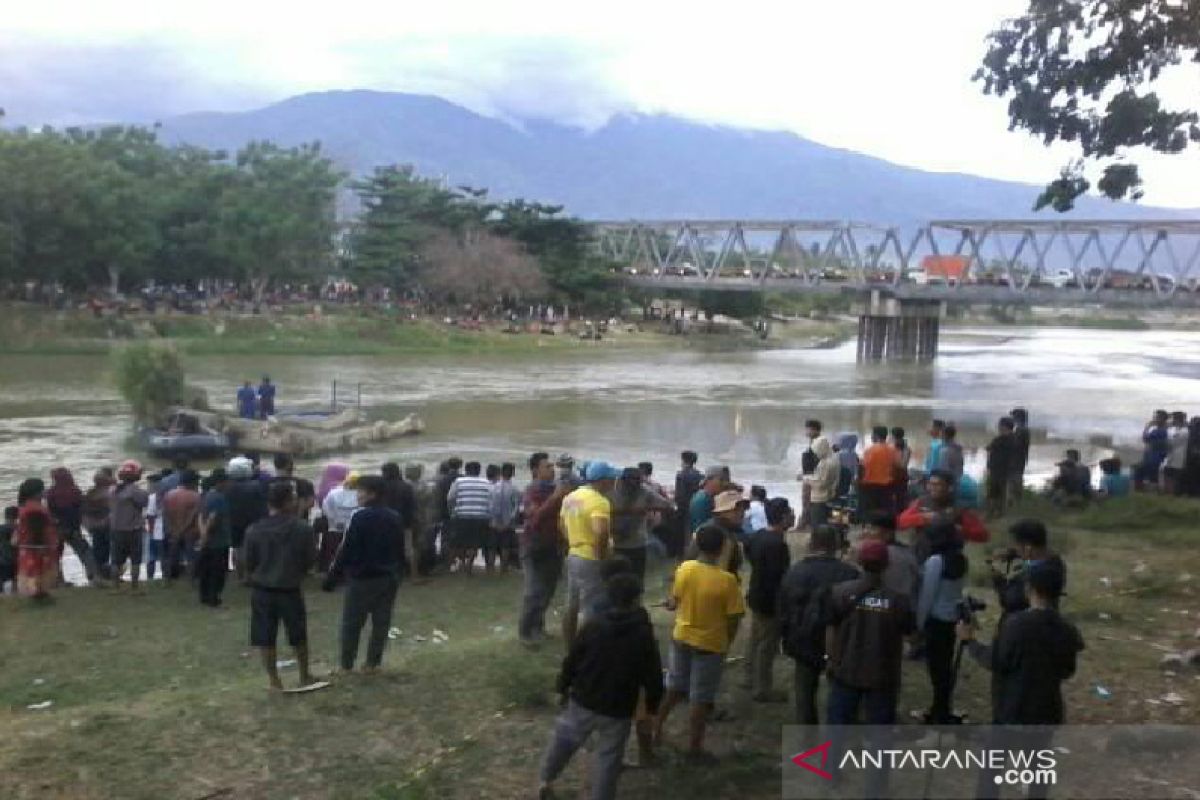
(469, 716)
(31, 330)
(27, 329)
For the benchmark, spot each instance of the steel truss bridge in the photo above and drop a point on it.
(1055, 262)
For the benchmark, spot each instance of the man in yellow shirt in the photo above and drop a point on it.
(586, 519)
(708, 605)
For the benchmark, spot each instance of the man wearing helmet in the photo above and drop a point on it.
(128, 523)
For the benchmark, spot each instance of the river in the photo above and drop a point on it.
(1084, 388)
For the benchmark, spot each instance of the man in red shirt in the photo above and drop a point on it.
(542, 546)
(877, 478)
(938, 503)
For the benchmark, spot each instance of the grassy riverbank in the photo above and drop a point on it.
(344, 331)
(157, 697)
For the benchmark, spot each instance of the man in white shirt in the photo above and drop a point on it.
(1177, 445)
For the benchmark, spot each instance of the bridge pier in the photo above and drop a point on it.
(891, 329)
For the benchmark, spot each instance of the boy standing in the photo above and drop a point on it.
(612, 659)
(279, 553)
(708, 607)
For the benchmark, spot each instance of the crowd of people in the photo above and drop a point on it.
(882, 571)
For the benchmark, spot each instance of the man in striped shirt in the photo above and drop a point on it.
(470, 502)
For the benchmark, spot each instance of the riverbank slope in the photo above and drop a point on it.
(177, 686)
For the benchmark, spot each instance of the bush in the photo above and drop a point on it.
(1138, 512)
(150, 377)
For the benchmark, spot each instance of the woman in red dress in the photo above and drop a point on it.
(36, 541)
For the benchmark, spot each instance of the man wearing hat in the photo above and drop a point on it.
(729, 511)
(586, 518)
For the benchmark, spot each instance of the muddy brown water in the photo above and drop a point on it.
(1084, 388)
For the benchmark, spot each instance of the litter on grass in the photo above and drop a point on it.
(40, 706)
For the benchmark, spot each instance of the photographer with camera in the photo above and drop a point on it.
(1033, 653)
(1030, 548)
(939, 503)
(938, 605)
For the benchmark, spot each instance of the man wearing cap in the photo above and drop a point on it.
(586, 518)
(128, 523)
(769, 558)
(729, 512)
(870, 622)
(700, 508)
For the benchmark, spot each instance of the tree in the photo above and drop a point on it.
(563, 248)
(150, 377)
(1084, 72)
(277, 216)
(479, 268)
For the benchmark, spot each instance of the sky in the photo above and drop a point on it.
(886, 78)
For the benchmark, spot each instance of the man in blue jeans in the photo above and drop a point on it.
(868, 643)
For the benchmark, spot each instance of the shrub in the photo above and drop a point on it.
(150, 377)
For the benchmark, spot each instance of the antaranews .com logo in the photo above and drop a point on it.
(913, 761)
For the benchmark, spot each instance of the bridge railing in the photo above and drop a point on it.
(1081, 256)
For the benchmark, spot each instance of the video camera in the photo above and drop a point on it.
(968, 606)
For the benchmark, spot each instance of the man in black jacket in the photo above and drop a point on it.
(1001, 461)
(804, 614)
(1034, 651)
(1030, 540)
(280, 550)
(372, 559)
(612, 659)
(769, 558)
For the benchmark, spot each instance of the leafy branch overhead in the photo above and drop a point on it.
(1089, 72)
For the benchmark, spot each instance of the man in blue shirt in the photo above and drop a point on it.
(266, 398)
(933, 456)
(700, 509)
(247, 401)
(371, 559)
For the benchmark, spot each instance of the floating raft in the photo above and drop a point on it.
(305, 432)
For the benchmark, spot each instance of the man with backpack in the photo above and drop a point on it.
(804, 614)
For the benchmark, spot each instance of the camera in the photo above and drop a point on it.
(968, 606)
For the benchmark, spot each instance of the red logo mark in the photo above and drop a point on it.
(801, 760)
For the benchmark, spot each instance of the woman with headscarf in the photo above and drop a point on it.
(65, 503)
(97, 514)
(36, 541)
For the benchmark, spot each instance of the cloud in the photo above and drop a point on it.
(136, 81)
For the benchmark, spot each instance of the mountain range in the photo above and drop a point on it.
(636, 166)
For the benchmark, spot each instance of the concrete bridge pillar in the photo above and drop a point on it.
(892, 329)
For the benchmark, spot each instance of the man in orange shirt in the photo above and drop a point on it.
(878, 475)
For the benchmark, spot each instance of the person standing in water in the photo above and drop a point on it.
(247, 402)
(266, 398)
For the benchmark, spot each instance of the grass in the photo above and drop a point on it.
(157, 697)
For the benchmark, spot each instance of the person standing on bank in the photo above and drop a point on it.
(97, 517)
(1001, 461)
(687, 483)
(36, 542)
(212, 556)
(708, 606)
(280, 551)
(542, 546)
(1016, 482)
(372, 560)
(128, 523)
(769, 559)
(821, 486)
(470, 502)
(586, 519)
(64, 500)
(808, 465)
(632, 505)
(612, 662)
(878, 478)
(804, 615)
(942, 581)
